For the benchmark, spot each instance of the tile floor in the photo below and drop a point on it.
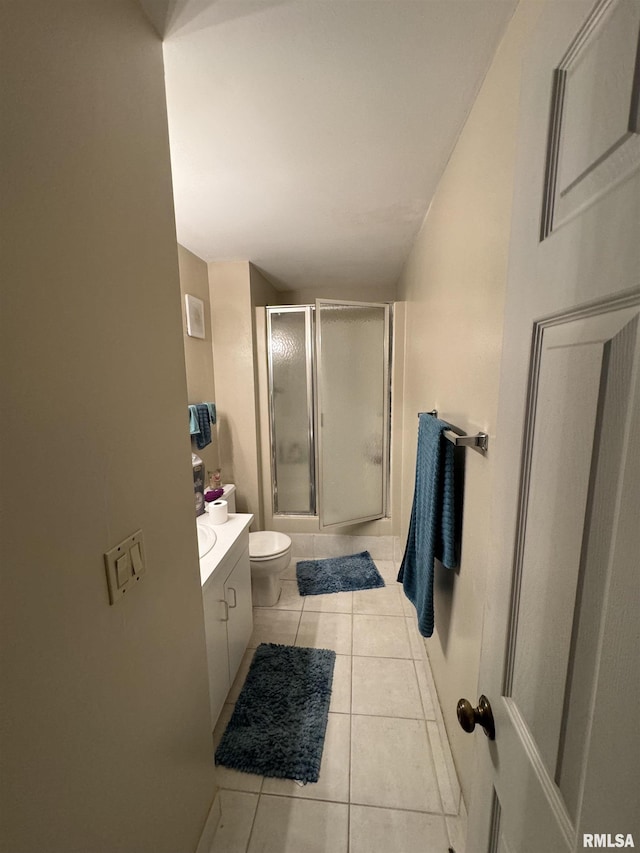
(386, 780)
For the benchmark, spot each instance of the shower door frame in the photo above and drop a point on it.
(307, 310)
(386, 443)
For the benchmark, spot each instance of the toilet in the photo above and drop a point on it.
(269, 556)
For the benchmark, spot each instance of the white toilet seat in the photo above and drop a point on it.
(267, 545)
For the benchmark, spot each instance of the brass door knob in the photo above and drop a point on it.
(468, 716)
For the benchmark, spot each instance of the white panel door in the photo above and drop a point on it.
(562, 625)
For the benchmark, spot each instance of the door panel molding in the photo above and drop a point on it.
(543, 777)
(587, 153)
(602, 340)
(622, 305)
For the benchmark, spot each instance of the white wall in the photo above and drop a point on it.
(106, 736)
(454, 287)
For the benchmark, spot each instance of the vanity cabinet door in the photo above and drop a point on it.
(237, 591)
(216, 615)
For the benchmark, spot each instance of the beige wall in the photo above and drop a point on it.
(236, 288)
(454, 288)
(308, 296)
(233, 359)
(106, 733)
(198, 352)
(262, 291)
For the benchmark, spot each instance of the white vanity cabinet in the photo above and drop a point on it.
(228, 612)
(237, 594)
(215, 627)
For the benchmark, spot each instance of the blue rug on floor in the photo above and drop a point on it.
(337, 574)
(278, 724)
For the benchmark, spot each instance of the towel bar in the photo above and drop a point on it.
(479, 441)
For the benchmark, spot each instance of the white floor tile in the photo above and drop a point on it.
(234, 829)
(386, 687)
(432, 686)
(449, 789)
(325, 631)
(384, 601)
(374, 830)
(274, 626)
(444, 741)
(341, 687)
(332, 602)
(379, 753)
(293, 825)
(391, 764)
(425, 693)
(333, 783)
(380, 547)
(233, 780)
(407, 607)
(290, 598)
(389, 572)
(380, 636)
(415, 638)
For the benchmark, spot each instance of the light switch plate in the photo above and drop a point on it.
(125, 564)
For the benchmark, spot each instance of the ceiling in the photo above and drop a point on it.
(308, 136)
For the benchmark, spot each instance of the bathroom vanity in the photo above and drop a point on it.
(225, 575)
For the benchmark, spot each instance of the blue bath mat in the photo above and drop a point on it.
(337, 574)
(278, 724)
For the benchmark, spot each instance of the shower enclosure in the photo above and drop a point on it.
(329, 397)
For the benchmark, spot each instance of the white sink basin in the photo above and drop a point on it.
(206, 539)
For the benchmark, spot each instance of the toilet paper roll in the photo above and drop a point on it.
(218, 511)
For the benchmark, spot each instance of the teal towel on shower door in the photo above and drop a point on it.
(432, 525)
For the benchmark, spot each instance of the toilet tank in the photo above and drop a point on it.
(230, 496)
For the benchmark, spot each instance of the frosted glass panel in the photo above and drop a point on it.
(291, 415)
(352, 376)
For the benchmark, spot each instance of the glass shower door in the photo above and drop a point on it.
(290, 361)
(352, 378)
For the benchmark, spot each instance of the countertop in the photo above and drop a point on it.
(227, 534)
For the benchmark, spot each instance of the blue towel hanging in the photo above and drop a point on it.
(194, 427)
(432, 526)
(212, 412)
(203, 437)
